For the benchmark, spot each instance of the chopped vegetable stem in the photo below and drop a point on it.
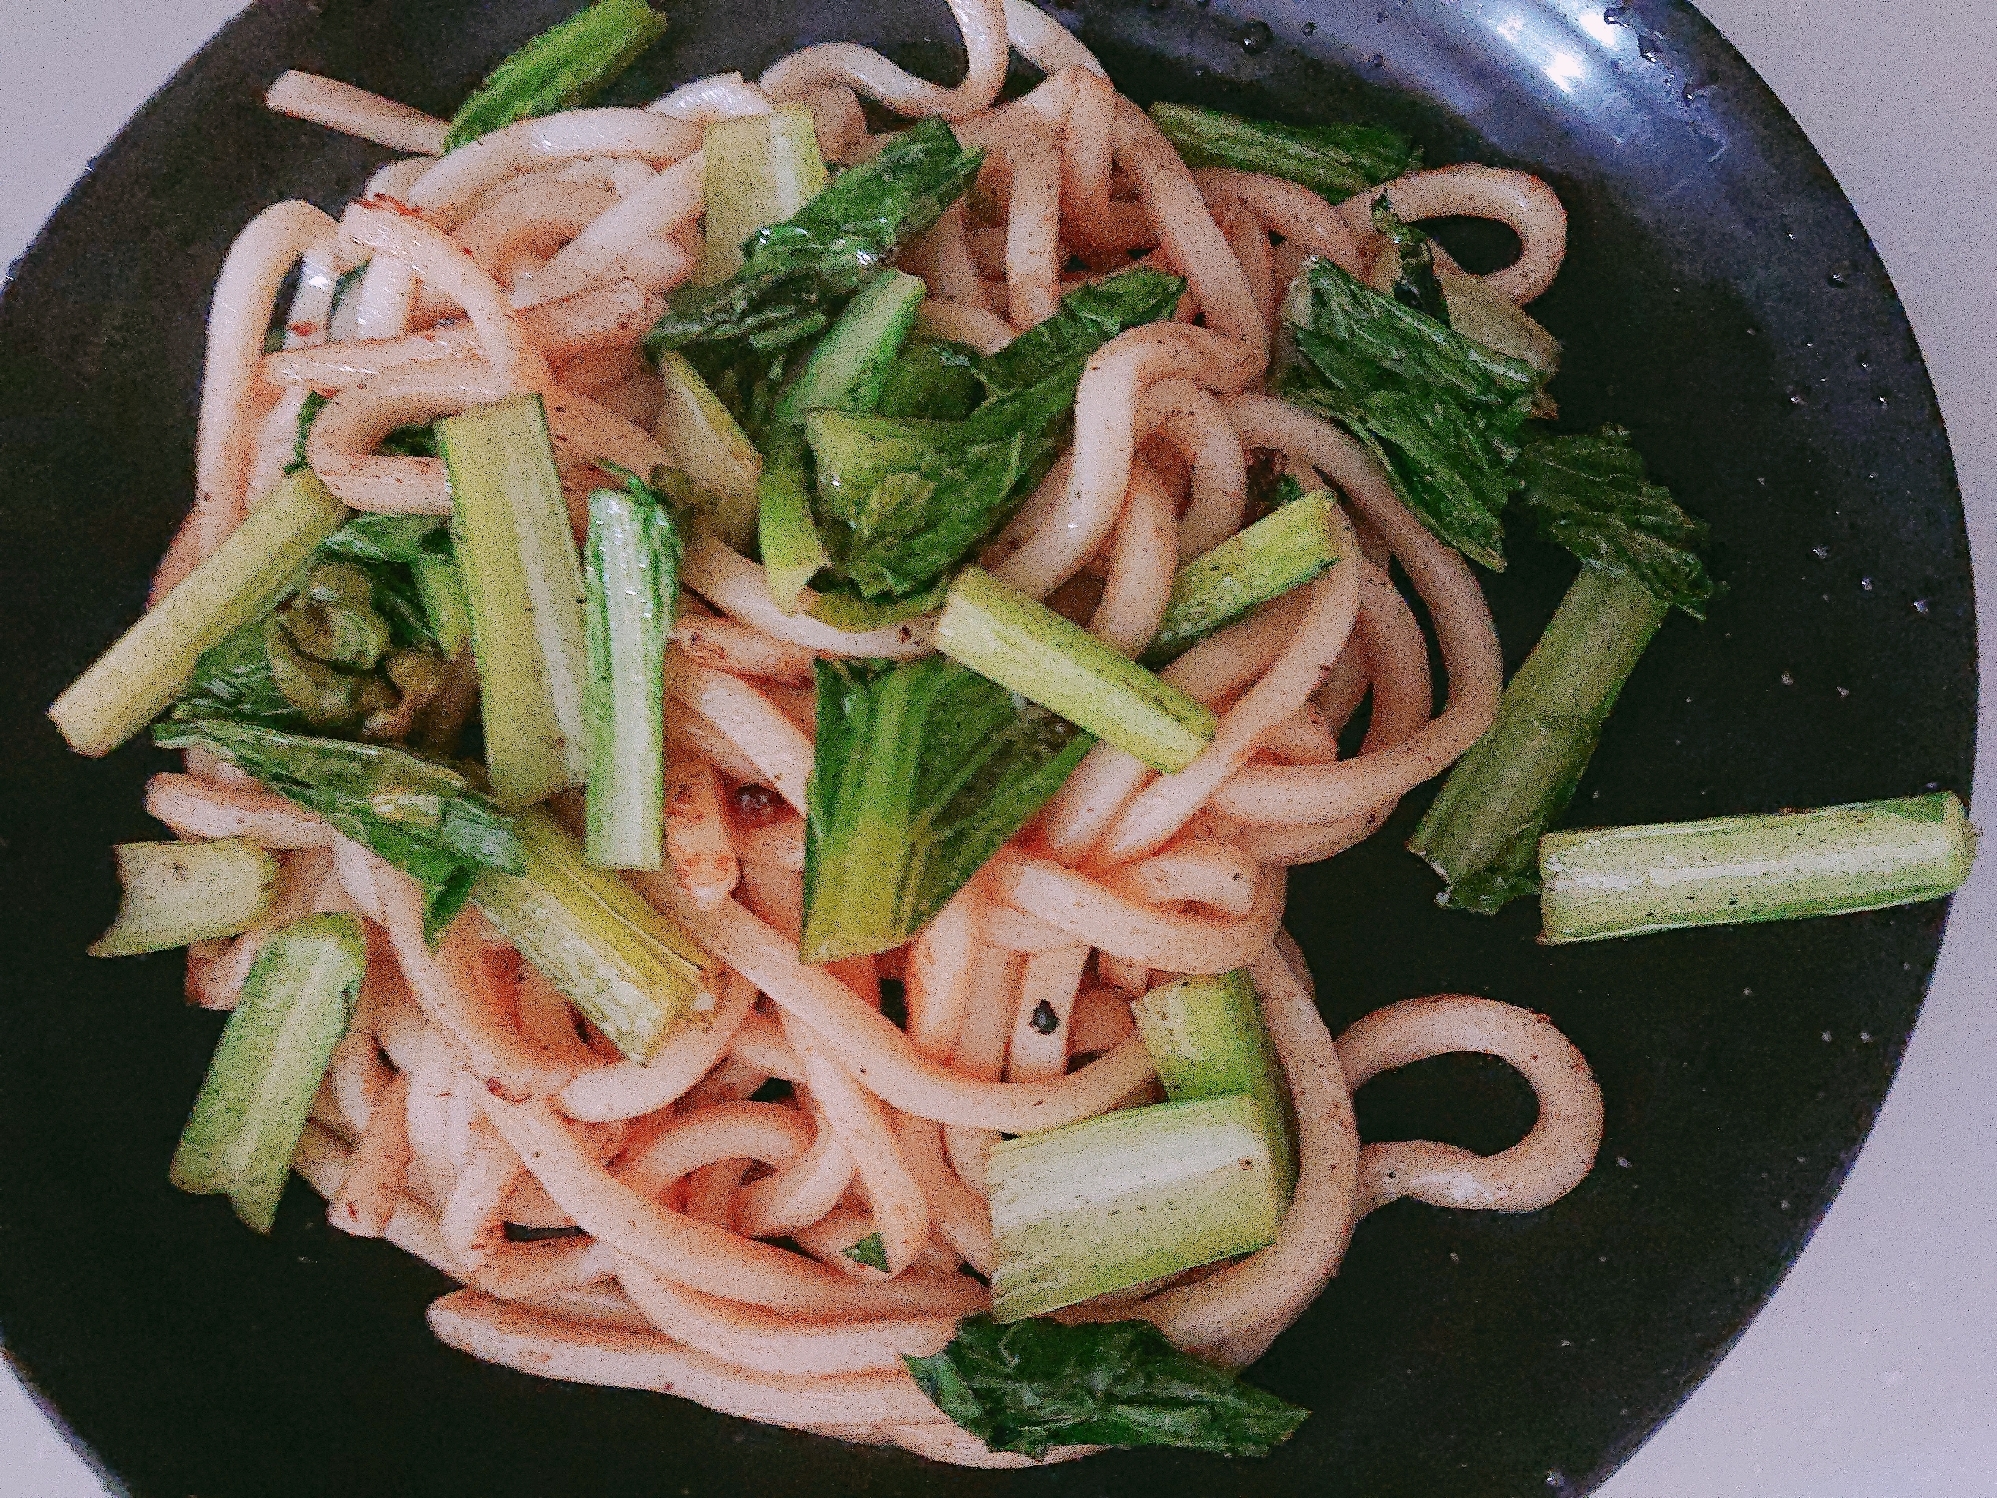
(1025, 646)
(1625, 881)
(132, 682)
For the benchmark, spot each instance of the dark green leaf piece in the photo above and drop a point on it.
(1416, 285)
(1589, 493)
(1036, 1384)
(424, 818)
(1442, 413)
(797, 274)
(1089, 316)
(869, 1251)
(1334, 161)
(563, 67)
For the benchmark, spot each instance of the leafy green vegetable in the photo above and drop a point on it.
(1089, 316)
(1640, 558)
(1442, 412)
(757, 169)
(1207, 1039)
(922, 772)
(563, 67)
(422, 817)
(1415, 284)
(796, 274)
(1589, 494)
(870, 1251)
(1283, 550)
(934, 379)
(1334, 161)
(246, 1123)
(1037, 1384)
(905, 500)
(786, 534)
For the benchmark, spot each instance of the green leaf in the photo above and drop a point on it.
(1036, 1384)
(307, 414)
(1443, 413)
(1334, 161)
(1589, 494)
(1089, 316)
(796, 274)
(565, 66)
(1415, 285)
(933, 379)
(923, 770)
(869, 1251)
(424, 818)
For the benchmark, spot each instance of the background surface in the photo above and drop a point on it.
(1873, 1372)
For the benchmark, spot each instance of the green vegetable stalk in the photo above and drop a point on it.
(251, 1112)
(631, 582)
(1127, 1197)
(923, 771)
(1334, 161)
(1625, 881)
(1207, 1039)
(524, 583)
(630, 971)
(1034, 1385)
(563, 67)
(1589, 494)
(1482, 831)
(1028, 648)
(258, 564)
(177, 893)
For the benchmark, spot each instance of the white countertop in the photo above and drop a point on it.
(1873, 1372)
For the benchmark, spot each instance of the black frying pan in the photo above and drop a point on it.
(1720, 299)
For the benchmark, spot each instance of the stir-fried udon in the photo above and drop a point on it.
(777, 888)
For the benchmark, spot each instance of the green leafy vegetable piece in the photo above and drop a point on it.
(870, 1251)
(1334, 161)
(906, 501)
(1625, 881)
(934, 379)
(796, 274)
(786, 534)
(1443, 413)
(923, 770)
(1206, 1039)
(1482, 831)
(631, 582)
(422, 817)
(565, 66)
(297, 1001)
(1089, 316)
(1589, 493)
(843, 607)
(1037, 1384)
(1415, 284)
(1283, 550)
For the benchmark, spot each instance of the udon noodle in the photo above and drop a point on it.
(464, 1113)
